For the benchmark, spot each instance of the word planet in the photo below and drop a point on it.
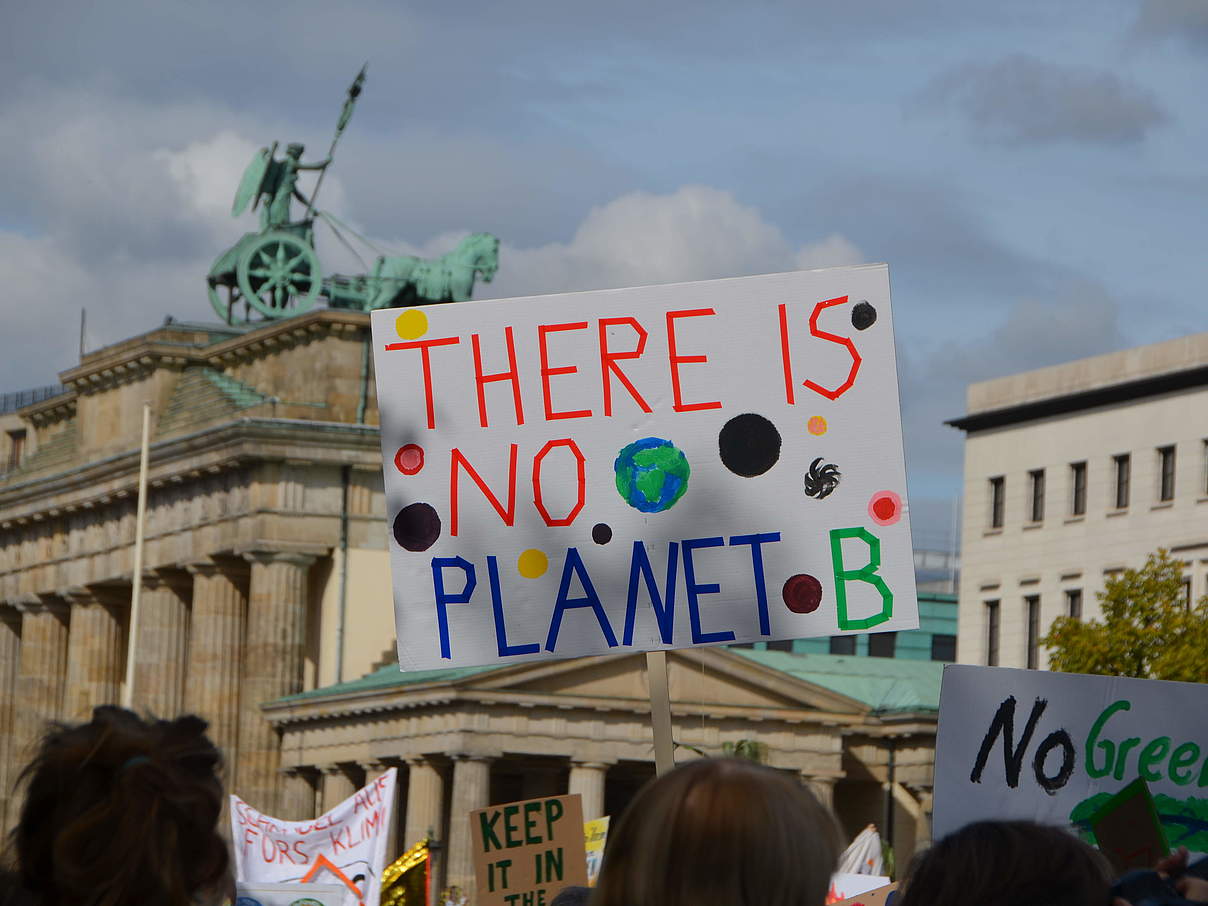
(652, 474)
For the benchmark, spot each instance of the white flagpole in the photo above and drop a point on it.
(136, 593)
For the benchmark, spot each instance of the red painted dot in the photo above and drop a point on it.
(409, 459)
(885, 508)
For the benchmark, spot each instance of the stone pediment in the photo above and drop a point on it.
(700, 677)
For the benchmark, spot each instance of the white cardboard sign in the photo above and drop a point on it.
(1052, 747)
(648, 468)
(345, 846)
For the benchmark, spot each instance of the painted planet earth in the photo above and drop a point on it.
(652, 474)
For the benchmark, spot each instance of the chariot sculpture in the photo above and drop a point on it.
(275, 273)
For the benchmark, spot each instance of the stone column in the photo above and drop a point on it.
(276, 634)
(338, 785)
(10, 659)
(823, 788)
(42, 672)
(297, 795)
(95, 654)
(471, 790)
(162, 644)
(426, 814)
(215, 652)
(587, 779)
(374, 770)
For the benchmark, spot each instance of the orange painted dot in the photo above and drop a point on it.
(816, 425)
(411, 324)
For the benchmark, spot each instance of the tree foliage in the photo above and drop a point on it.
(1149, 629)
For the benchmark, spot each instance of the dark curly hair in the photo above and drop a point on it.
(122, 811)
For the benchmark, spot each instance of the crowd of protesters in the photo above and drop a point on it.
(123, 811)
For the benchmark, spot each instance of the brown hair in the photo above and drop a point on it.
(121, 811)
(725, 832)
(1008, 863)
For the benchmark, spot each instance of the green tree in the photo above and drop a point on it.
(1148, 630)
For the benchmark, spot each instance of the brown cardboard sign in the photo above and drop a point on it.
(525, 852)
(881, 896)
(1128, 831)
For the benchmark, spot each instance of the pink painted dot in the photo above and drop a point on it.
(885, 508)
(816, 425)
(409, 459)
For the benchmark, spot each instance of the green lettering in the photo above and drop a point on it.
(1122, 756)
(1155, 750)
(1180, 758)
(553, 811)
(1204, 774)
(867, 573)
(1109, 748)
(488, 831)
(530, 823)
(510, 829)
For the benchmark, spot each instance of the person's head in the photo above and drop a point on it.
(571, 896)
(727, 832)
(122, 810)
(1008, 863)
(294, 150)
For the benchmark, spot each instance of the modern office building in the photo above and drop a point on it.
(1072, 474)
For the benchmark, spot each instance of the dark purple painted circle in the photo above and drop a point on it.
(802, 593)
(416, 527)
(863, 316)
(601, 533)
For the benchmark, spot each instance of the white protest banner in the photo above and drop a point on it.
(289, 894)
(640, 469)
(1054, 747)
(346, 845)
(845, 885)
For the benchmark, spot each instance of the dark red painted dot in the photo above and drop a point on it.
(409, 459)
(416, 527)
(802, 593)
(884, 508)
(601, 533)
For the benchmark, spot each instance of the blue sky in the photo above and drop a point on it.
(1033, 173)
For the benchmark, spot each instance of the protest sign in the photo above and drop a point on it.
(595, 836)
(878, 896)
(345, 846)
(1055, 747)
(846, 885)
(1127, 830)
(644, 469)
(289, 894)
(525, 852)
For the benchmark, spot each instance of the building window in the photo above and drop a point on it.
(943, 648)
(997, 493)
(1078, 489)
(1165, 473)
(1073, 603)
(991, 633)
(1123, 469)
(1187, 592)
(1032, 606)
(882, 644)
(1036, 495)
(843, 644)
(16, 446)
(781, 645)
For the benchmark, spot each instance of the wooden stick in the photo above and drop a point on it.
(140, 522)
(660, 711)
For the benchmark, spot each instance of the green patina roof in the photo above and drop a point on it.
(884, 684)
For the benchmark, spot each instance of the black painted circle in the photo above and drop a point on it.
(749, 445)
(417, 526)
(601, 533)
(863, 316)
(802, 593)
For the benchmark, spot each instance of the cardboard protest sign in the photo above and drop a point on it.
(1127, 829)
(289, 894)
(595, 837)
(1054, 747)
(878, 896)
(525, 852)
(846, 885)
(641, 469)
(345, 846)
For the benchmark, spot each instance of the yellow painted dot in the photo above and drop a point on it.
(816, 425)
(411, 324)
(532, 563)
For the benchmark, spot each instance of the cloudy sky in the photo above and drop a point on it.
(1034, 173)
